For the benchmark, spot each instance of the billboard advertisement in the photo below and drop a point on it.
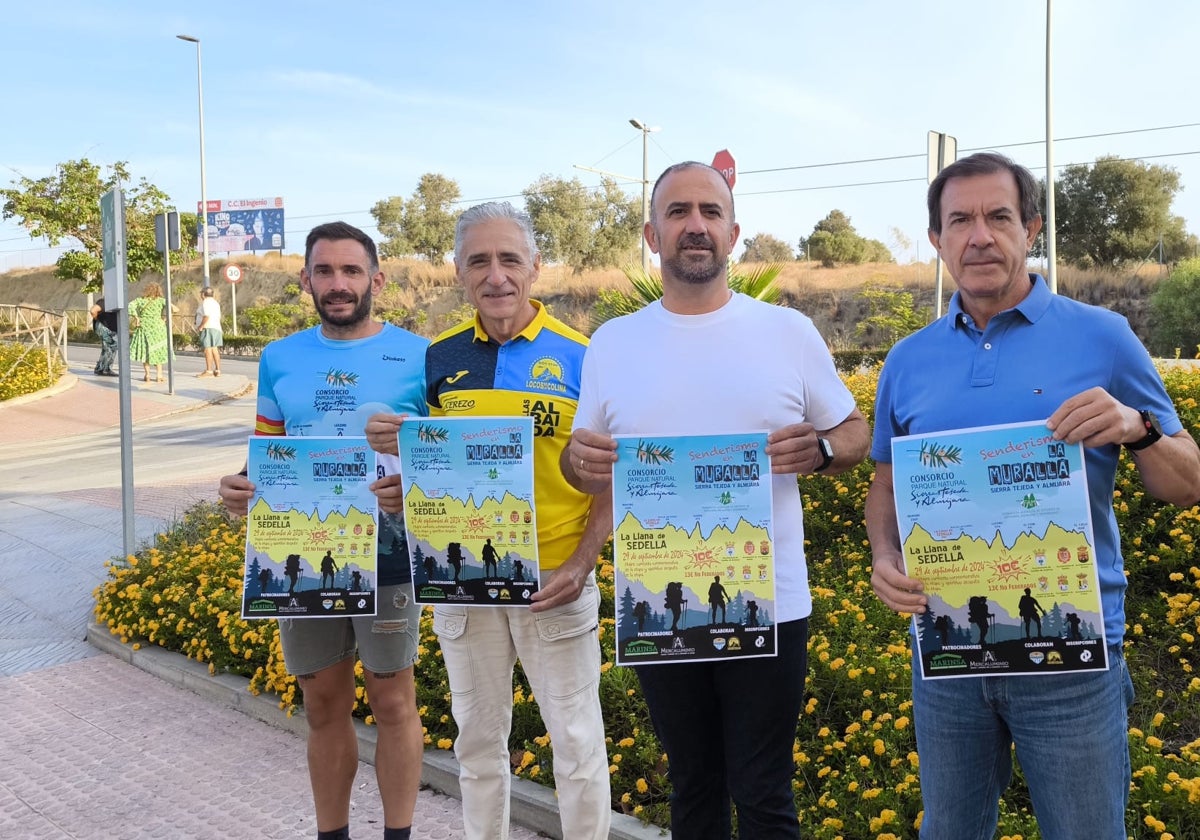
(245, 224)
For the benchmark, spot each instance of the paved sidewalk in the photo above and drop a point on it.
(145, 744)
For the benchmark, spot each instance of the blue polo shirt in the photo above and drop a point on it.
(1022, 366)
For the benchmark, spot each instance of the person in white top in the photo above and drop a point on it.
(208, 326)
(704, 360)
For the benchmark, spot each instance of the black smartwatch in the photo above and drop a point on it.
(826, 448)
(1154, 432)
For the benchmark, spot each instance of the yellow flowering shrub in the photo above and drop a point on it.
(855, 749)
(23, 370)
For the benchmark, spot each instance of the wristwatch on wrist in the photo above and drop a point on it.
(1153, 432)
(826, 448)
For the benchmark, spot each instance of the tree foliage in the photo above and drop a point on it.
(758, 282)
(1175, 312)
(66, 205)
(580, 227)
(891, 317)
(834, 241)
(422, 225)
(1115, 211)
(389, 220)
(765, 248)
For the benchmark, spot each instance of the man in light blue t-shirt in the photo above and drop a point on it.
(327, 380)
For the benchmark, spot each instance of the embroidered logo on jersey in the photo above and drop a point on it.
(546, 374)
(456, 404)
(450, 380)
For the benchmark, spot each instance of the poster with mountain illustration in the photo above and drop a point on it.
(310, 530)
(995, 522)
(469, 509)
(693, 548)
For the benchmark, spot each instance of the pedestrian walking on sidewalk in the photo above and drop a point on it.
(208, 327)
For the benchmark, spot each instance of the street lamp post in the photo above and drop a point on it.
(203, 190)
(641, 126)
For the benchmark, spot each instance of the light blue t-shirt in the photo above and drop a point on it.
(310, 386)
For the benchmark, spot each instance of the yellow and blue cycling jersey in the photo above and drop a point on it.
(535, 374)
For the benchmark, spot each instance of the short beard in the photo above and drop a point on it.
(692, 273)
(361, 313)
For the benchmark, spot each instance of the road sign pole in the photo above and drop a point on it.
(113, 260)
(233, 273)
(943, 151)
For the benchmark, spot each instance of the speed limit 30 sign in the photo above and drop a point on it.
(233, 273)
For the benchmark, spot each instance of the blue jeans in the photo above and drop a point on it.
(1071, 737)
(729, 728)
(108, 348)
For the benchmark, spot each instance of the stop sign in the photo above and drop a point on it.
(723, 162)
(233, 273)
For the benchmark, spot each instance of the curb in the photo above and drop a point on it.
(65, 383)
(532, 805)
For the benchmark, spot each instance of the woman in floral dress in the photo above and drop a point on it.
(148, 340)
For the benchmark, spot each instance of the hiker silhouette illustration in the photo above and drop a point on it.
(291, 571)
(455, 556)
(328, 568)
(717, 597)
(674, 601)
(1030, 610)
(977, 614)
(489, 558)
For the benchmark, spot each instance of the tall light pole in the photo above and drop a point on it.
(203, 190)
(1050, 234)
(641, 126)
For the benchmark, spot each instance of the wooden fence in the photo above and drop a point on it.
(38, 331)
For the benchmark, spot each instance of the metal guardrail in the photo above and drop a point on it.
(38, 330)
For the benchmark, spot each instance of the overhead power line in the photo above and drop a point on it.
(741, 193)
(977, 149)
(922, 178)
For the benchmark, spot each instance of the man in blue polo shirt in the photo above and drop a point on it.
(1007, 351)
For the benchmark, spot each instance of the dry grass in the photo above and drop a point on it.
(432, 297)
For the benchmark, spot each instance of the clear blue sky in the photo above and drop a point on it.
(335, 106)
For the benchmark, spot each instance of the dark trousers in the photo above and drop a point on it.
(108, 348)
(729, 728)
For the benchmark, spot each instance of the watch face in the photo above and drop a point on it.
(1152, 424)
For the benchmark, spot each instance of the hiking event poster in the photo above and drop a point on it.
(693, 548)
(995, 522)
(310, 528)
(469, 509)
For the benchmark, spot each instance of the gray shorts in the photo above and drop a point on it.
(386, 643)
(211, 338)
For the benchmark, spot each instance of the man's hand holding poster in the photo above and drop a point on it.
(310, 528)
(693, 548)
(995, 523)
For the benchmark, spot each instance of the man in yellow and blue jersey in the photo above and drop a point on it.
(514, 359)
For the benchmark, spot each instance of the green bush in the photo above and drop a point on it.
(233, 345)
(1175, 312)
(856, 762)
(273, 319)
(24, 370)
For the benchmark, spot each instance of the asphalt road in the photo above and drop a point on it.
(195, 446)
